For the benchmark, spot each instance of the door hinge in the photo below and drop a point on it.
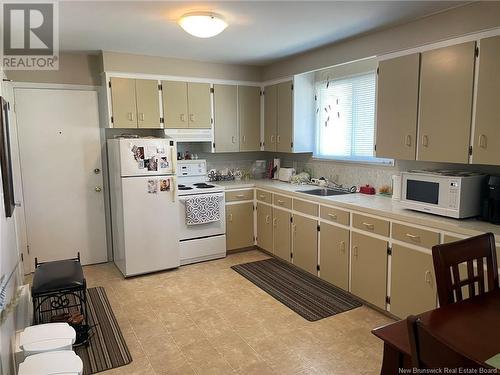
(254, 238)
(291, 255)
(212, 120)
(28, 249)
(318, 228)
(213, 145)
(261, 92)
(388, 299)
(254, 207)
(260, 144)
(291, 219)
(477, 52)
(160, 86)
(291, 144)
(470, 150)
(375, 147)
(8, 106)
(109, 84)
(292, 86)
(22, 257)
(212, 90)
(162, 120)
(315, 98)
(112, 120)
(378, 71)
(317, 267)
(389, 250)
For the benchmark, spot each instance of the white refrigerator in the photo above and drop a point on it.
(144, 205)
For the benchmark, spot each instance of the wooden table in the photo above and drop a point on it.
(472, 326)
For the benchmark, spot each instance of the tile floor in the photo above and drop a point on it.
(207, 319)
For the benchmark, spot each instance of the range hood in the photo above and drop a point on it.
(190, 135)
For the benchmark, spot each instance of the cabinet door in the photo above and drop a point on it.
(487, 123)
(334, 255)
(397, 107)
(239, 225)
(285, 122)
(265, 227)
(199, 105)
(270, 117)
(446, 83)
(175, 110)
(226, 118)
(369, 268)
(413, 286)
(249, 117)
(123, 102)
(148, 103)
(305, 243)
(282, 234)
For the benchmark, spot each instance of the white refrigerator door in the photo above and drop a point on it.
(143, 157)
(151, 233)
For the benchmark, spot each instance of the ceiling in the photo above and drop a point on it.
(259, 32)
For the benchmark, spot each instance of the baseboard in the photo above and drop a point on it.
(241, 250)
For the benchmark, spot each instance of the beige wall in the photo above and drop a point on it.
(74, 68)
(454, 23)
(122, 62)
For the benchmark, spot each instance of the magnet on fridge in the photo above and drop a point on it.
(151, 164)
(164, 185)
(138, 153)
(152, 186)
(141, 164)
(160, 150)
(163, 162)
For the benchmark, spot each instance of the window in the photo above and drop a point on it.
(345, 118)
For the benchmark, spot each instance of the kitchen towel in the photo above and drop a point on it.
(203, 209)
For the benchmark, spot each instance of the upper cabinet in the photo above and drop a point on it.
(486, 141)
(397, 107)
(135, 103)
(249, 117)
(289, 115)
(186, 104)
(446, 88)
(226, 118)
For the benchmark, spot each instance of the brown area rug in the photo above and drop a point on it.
(306, 294)
(106, 348)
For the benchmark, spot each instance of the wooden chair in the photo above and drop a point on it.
(448, 257)
(430, 352)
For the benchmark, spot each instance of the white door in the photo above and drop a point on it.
(150, 224)
(60, 157)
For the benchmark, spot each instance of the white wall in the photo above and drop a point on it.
(9, 257)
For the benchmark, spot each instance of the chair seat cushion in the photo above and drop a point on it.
(58, 275)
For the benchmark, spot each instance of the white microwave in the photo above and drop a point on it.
(447, 193)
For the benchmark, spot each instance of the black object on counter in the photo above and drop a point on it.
(491, 204)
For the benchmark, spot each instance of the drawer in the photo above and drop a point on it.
(239, 195)
(415, 236)
(264, 196)
(335, 215)
(282, 201)
(307, 208)
(371, 224)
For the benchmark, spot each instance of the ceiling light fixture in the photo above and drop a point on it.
(203, 24)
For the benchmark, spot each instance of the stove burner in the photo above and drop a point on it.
(204, 186)
(182, 187)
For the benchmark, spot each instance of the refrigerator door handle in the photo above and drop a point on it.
(174, 159)
(174, 188)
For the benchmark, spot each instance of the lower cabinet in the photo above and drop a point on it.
(239, 225)
(265, 227)
(334, 255)
(369, 268)
(305, 243)
(282, 234)
(413, 286)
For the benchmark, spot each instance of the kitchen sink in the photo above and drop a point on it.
(323, 192)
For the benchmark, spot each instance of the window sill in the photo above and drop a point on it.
(382, 162)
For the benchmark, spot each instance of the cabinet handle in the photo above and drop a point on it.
(408, 140)
(240, 196)
(369, 225)
(278, 139)
(262, 196)
(183, 117)
(141, 116)
(413, 237)
(425, 141)
(294, 228)
(275, 222)
(333, 216)
(191, 117)
(244, 139)
(130, 116)
(483, 141)
(268, 219)
(272, 139)
(342, 246)
(427, 277)
(280, 202)
(355, 250)
(230, 218)
(233, 139)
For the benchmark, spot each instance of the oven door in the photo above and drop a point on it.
(189, 232)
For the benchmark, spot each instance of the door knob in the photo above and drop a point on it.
(97, 171)
(98, 189)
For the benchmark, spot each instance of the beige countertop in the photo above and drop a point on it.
(372, 204)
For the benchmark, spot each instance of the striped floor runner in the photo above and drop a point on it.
(107, 348)
(307, 295)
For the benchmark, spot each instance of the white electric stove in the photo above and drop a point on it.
(199, 242)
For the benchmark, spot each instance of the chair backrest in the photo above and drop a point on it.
(430, 352)
(473, 252)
